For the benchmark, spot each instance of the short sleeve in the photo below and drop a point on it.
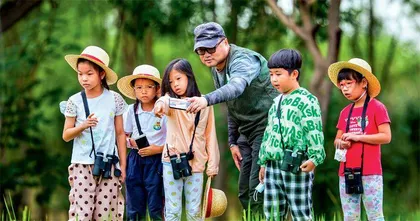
(71, 109)
(120, 104)
(128, 125)
(381, 114)
(341, 125)
(246, 66)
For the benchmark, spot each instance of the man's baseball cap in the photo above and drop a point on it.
(207, 35)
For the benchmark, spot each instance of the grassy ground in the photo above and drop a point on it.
(9, 214)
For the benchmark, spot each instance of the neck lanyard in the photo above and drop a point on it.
(197, 119)
(86, 106)
(279, 116)
(135, 107)
(363, 124)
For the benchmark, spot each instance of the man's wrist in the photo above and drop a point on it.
(232, 145)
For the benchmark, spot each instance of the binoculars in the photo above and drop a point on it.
(103, 165)
(142, 142)
(180, 166)
(353, 180)
(292, 161)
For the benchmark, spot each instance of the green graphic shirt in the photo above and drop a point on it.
(301, 127)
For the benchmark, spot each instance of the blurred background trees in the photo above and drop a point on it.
(34, 78)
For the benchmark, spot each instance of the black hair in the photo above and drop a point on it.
(349, 74)
(287, 59)
(97, 68)
(183, 66)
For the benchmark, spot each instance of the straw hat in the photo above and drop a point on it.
(361, 66)
(214, 201)
(98, 56)
(142, 71)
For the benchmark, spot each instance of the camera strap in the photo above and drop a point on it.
(363, 125)
(196, 120)
(279, 116)
(135, 107)
(86, 106)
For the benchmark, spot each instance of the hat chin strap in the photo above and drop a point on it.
(358, 99)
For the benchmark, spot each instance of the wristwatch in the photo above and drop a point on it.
(232, 145)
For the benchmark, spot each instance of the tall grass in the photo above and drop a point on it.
(11, 215)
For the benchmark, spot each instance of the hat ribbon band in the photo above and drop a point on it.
(93, 57)
(144, 74)
(209, 202)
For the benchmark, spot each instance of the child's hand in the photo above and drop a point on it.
(345, 144)
(91, 121)
(307, 166)
(150, 150)
(123, 174)
(173, 151)
(159, 109)
(350, 137)
(261, 174)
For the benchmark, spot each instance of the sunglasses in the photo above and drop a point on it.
(202, 51)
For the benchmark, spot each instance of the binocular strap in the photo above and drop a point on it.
(137, 117)
(196, 120)
(87, 112)
(363, 124)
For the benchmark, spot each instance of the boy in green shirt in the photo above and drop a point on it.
(292, 147)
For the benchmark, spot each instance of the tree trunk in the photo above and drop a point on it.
(12, 11)
(371, 36)
(234, 7)
(129, 53)
(386, 69)
(148, 46)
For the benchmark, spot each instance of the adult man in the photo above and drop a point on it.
(242, 80)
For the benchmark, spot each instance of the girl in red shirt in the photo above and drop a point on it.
(362, 127)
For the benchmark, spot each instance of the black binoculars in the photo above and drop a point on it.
(103, 166)
(292, 161)
(353, 180)
(142, 142)
(180, 166)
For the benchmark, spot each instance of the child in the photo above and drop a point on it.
(293, 146)
(144, 183)
(188, 134)
(362, 127)
(93, 174)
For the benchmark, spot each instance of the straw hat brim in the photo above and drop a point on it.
(217, 209)
(110, 75)
(124, 84)
(374, 87)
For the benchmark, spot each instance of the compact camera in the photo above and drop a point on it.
(180, 166)
(353, 180)
(103, 165)
(142, 141)
(176, 103)
(292, 161)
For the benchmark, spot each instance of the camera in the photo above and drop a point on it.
(103, 165)
(180, 166)
(292, 161)
(142, 141)
(353, 180)
(180, 104)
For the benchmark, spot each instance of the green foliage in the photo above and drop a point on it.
(34, 78)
